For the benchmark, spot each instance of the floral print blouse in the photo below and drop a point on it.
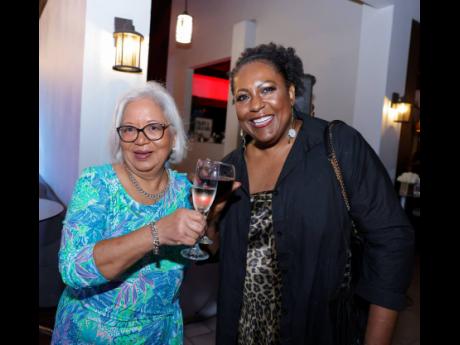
(141, 306)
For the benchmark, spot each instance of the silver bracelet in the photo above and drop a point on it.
(156, 240)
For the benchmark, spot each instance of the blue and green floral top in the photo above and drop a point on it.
(141, 306)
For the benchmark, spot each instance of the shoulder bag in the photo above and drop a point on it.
(348, 311)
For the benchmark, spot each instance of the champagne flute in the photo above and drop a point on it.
(224, 186)
(203, 193)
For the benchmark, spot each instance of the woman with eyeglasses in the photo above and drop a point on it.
(124, 229)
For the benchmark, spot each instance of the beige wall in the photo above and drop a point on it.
(61, 43)
(78, 87)
(326, 35)
(337, 40)
(102, 85)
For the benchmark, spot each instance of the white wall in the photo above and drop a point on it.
(78, 87)
(357, 53)
(376, 26)
(404, 12)
(243, 37)
(61, 42)
(101, 84)
(324, 33)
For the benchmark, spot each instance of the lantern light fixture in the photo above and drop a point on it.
(402, 108)
(127, 46)
(184, 27)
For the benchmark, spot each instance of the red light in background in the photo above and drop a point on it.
(210, 87)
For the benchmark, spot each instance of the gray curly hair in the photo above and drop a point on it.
(157, 93)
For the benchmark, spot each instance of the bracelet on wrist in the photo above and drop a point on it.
(156, 239)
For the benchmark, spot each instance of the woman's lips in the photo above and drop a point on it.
(142, 155)
(263, 121)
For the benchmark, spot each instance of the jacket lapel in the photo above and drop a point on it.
(307, 138)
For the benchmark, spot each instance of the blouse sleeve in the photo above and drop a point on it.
(84, 226)
(389, 237)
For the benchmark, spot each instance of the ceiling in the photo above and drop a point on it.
(219, 70)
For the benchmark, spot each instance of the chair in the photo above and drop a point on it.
(198, 295)
(303, 102)
(49, 239)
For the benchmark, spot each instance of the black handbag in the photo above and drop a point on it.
(348, 311)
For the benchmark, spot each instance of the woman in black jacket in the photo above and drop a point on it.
(283, 233)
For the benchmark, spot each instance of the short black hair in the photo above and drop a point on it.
(284, 60)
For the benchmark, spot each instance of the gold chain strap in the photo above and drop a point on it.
(346, 282)
(338, 173)
(336, 167)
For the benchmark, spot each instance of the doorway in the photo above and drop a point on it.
(409, 142)
(208, 113)
(206, 96)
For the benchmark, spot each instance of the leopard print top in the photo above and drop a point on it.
(261, 308)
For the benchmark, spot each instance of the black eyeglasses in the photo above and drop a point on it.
(152, 131)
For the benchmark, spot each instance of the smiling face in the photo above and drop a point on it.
(263, 103)
(144, 155)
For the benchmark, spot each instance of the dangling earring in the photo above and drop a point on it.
(243, 139)
(292, 132)
(173, 150)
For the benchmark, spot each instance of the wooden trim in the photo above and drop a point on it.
(41, 6)
(159, 40)
(409, 136)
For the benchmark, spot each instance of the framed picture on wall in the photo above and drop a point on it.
(203, 127)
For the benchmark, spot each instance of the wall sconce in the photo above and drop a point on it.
(127, 46)
(402, 108)
(184, 27)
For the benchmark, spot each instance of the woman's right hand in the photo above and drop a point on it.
(183, 227)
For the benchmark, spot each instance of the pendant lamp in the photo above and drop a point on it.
(184, 27)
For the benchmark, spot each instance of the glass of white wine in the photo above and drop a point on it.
(203, 193)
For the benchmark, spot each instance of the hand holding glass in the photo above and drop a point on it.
(203, 194)
(224, 186)
(226, 179)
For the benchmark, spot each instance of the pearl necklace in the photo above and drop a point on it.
(155, 196)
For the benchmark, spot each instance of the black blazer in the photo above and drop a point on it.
(310, 224)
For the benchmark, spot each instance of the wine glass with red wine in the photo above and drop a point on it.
(226, 179)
